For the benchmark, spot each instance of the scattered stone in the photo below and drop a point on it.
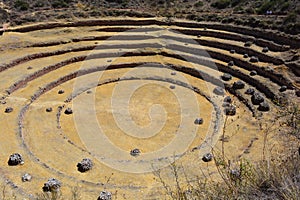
(232, 51)
(198, 36)
(283, 88)
(61, 91)
(207, 157)
(257, 98)
(226, 77)
(135, 152)
(238, 85)
(264, 107)
(104, 195)
(172, 87)
(68, 111)
(52, 185)
(8, 110)
(198, 121)
(29, 67)
(15, 159)
(230, 63)
(228, 99)
(230, 110)
(253, 73)
(173, 73)
(89, 92)
(248, 44)
(109, 60)
(250, 91)
(26, 177)
(85, 165)
(3, 102)
(254, 59)
(219, 91)
(265, 49)
(49, 109)
(246, 55)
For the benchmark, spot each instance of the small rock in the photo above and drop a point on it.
(264, 107)
(52, 185)
(104, 195)
(226, 77)
(89, 92)
(68, 111)
(173, 73)
(254, 59)
(15, 159)
(8, 110)
(135, 152)
(198, 121)
(26, 177)
(248, 44)
(49, 109)
(250, 91)
(265, 49)
(253, 73)
(230, 110)
(172, 87)
(232, 51)
(246, 55)
(29, 67)
(283, 88)
(226, 104)
(61, 91)
(257, 98)
(85, 165)
(238, 85)
(219, 91)
(207, 157)
(198, 36)
(228, 99)
(230, 64)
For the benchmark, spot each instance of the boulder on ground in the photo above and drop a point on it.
(230, 64)
(104, 195)
(265, 49)
(264, 107)
(226, 77)
(253, 73)
(135, 152)
(232, 51)
(68, 111)
(207, 157)
(219, 91)
(248, 44)
(49, 109)
(15, 159)
(52, 185)
(8, 110)
(238, 85)
(26, 177)
(172, 87)
(250, 91)
(257, 98)
(228, 99)
(61, 91)
(85, 165)
(198, 121)
(246, 55)
(283, 88)
(230, 110)
(254, 59)
(173, 73)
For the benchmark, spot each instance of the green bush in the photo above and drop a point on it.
(21, 5)
(199, 4)
(221, 4)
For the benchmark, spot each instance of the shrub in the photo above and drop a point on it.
(221, 4)
(21, 5)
